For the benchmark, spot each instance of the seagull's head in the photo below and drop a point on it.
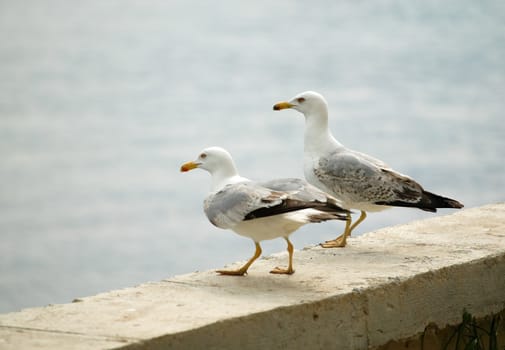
(308, 103)
(211, 159)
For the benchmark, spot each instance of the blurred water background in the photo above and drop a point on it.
(102, 101)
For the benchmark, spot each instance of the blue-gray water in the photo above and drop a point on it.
(101, 101)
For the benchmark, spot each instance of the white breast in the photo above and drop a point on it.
(273, 226)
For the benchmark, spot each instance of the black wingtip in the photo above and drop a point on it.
(428, 202)
(436, 201)
(324, 216)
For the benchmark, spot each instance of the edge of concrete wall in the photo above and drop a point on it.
(386, 285)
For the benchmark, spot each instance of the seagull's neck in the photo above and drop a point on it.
(225, 175)
(318, 136)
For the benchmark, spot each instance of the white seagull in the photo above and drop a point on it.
(260, 210)
(358, 180)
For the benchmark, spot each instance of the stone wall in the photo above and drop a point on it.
(383, 289)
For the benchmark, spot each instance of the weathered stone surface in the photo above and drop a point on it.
(385, 285)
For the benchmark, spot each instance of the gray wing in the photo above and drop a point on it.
(230, 206)
(353, 177)
(300, 195)
(297, 189)
(251, 200)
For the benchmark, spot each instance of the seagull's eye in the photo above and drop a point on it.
(203, 156)
(300, 99)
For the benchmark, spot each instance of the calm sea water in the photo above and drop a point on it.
(101, 101)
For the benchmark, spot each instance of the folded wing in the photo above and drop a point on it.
(250, 200)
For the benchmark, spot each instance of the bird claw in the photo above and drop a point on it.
(232, 272)
(339, 242)
(281, 271)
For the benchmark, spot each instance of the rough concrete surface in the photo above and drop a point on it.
(385, 285)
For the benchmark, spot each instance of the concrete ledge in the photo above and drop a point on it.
(386, 285)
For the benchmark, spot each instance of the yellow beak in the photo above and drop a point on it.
(189, 166)
(282, 105)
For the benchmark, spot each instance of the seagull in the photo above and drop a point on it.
(260, 210)
(358, 180)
